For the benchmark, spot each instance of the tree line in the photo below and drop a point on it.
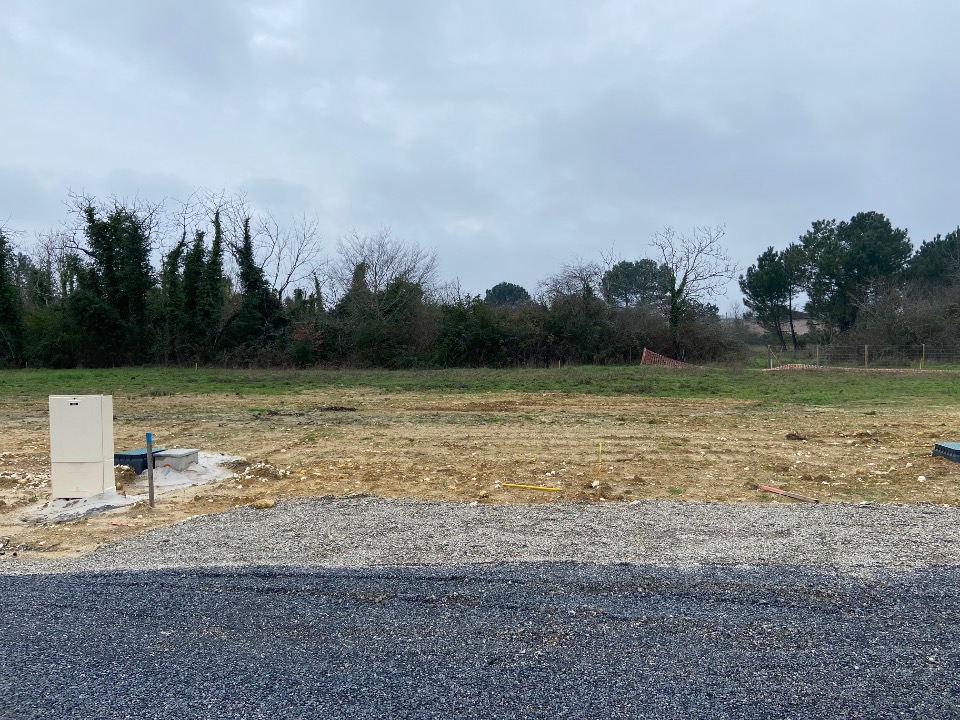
(860, 282)
(233, 288)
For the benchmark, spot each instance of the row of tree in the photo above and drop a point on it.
(862, 282)
(235, 288)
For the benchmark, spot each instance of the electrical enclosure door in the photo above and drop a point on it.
(81, 445)
(76, 429)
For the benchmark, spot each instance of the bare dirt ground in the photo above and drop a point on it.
(467, 447)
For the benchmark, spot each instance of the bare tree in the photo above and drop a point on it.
(290, 255)
(700, 268)
(609, 259)
(49, 255)
(574, 278)
(149, 214)
(452, 293)
(386, 258)
(184, 218)
(234, 210)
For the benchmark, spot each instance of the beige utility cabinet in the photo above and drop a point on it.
(81, 445)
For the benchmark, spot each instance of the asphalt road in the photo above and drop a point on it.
(504, 641)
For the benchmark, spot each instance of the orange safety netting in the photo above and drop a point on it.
(652, 358)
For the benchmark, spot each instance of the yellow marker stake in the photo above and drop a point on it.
(600, 459)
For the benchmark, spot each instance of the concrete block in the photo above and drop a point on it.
(179, 459)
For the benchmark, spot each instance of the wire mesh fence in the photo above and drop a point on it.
(918, 357)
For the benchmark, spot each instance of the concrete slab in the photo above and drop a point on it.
(165, 479)
(207, 470)
(58, 511)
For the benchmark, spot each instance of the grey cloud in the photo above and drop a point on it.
(26, 203)
(201, 42)
(510, 135)
(130, 186)
(274, 194)
(437, 191)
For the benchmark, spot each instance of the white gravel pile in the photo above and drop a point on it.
(367, 531)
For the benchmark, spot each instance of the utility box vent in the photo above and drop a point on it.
(950, 450)
(81, 445)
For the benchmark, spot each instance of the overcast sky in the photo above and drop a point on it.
(512, 136)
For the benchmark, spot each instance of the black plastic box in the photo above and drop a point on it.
(137, 458)
(951, 451)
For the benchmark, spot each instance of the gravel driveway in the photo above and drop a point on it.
(365, 531)
(368, 607)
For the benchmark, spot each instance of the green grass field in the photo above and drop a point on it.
(786, 387)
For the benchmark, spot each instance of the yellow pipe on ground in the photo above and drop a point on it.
(531, 487)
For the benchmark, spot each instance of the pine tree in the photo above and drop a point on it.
(11, 308)
(254, 328)
(212, 296)
(108, 315)
(172, 303)
(359, 325)
(195, 326)
(306, 344)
